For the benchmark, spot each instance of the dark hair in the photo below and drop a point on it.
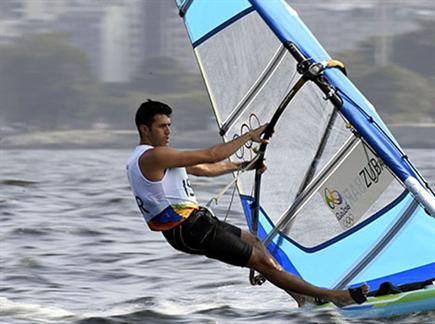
(147, 110)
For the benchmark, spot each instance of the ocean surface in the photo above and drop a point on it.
(74, 249)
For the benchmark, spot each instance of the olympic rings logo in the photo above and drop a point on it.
(247, 149)
(349, 221)
(332, 198)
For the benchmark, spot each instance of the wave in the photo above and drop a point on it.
(34, 312)
(18, 183)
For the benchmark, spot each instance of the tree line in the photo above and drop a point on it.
(47, 83)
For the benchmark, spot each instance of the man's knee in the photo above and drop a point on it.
(257, 243)
(260, 260)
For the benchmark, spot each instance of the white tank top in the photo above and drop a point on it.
(164, 203)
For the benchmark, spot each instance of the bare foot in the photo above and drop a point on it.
(343, 297)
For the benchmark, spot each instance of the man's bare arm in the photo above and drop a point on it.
(161, 158)
(213, 169)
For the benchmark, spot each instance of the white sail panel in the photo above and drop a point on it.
(232, 60)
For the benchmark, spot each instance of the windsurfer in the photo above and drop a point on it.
(158, 179)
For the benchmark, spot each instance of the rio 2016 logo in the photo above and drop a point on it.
(332, 198)
(341, 209)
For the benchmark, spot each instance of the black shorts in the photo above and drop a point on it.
(202, 233)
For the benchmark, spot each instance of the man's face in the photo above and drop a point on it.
(160, 130)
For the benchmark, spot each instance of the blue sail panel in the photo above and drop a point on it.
(413, 245)
(351, 246)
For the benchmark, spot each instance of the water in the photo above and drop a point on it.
(74, 249)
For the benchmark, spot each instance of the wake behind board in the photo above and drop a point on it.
(392, 305)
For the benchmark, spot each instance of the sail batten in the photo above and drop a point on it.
(315, 162)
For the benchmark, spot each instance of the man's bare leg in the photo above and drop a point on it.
(299, 298)
(264, 263)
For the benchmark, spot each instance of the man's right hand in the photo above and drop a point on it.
(256, 134)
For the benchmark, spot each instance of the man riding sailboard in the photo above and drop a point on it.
(158, 176)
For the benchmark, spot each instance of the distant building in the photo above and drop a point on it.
(164, 34)
(133, 31)
(115, 44)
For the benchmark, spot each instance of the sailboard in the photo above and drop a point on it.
(341, 204)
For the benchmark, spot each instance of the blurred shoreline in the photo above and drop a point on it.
(99, 139)
(408, 136)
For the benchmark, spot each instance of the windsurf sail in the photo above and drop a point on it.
(340, 204)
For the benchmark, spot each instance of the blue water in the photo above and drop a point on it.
(74, 249)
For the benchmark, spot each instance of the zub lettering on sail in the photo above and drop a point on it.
(366, 178)
(372, 171)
